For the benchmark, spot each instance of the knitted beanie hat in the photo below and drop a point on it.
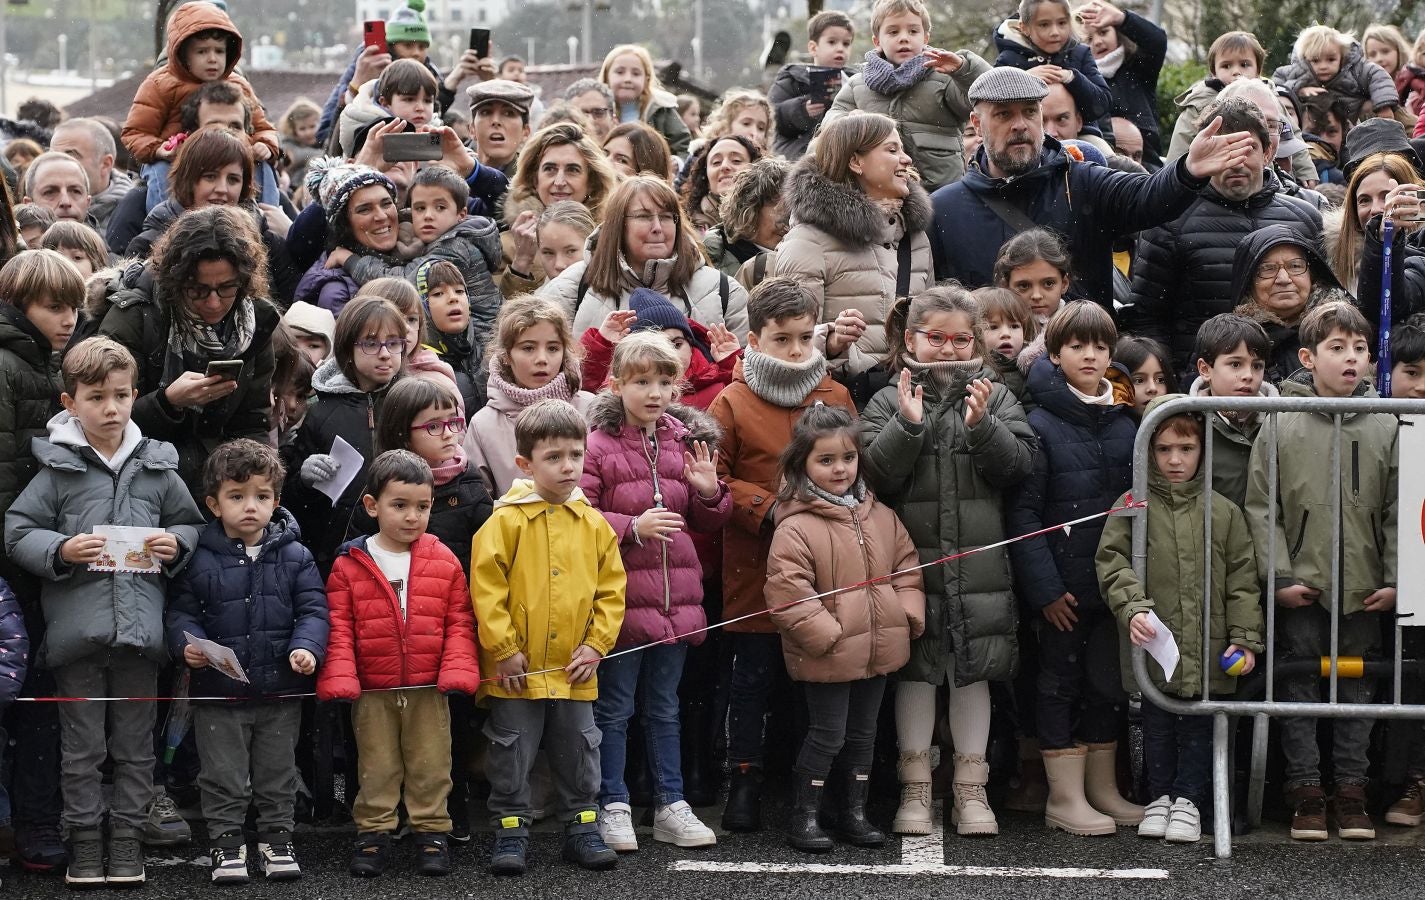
(407, 24)
(657, 311)
(332, 181)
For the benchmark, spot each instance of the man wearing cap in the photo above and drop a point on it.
(499, 120)
(1022, 179)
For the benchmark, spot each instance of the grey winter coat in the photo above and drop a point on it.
(946, 483)
(74, 491)
(1358, 80)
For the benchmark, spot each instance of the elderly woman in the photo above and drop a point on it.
(710, 176)
(556, 163)
(753, 220)
(859, 238)
(362, 217)
(197, 319)
(1276, 275)
(645, 241)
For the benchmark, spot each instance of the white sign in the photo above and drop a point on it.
(1410, 523)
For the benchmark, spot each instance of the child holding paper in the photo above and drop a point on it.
(103, 630)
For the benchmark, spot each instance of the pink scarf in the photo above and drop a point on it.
(556, 389)
(451, 469)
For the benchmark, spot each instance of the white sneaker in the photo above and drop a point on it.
(616, 827)
(1155, 818)
(1184, 823)
(677, 824)
(229, 865)
(277, 859)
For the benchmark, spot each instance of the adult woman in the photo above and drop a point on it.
(633, 148)
(556, 163)
(1129, 51)
(214, 167)
(645, 241)
(9, 232)
(859, 235)
(1366, 192)
(710, 176)
(1277, 273)
(1387, 187)
(362, 217)
(638, 97)
(753, 220)
(199, 301)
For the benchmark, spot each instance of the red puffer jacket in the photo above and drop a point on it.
(372, 648)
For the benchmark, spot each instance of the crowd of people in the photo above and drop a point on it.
(598, 454)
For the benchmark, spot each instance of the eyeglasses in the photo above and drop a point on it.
(1294, 267)
(372, 347)
(435, 427)
(196, 292)
(938, 338)
(647, 218)
(598, 115)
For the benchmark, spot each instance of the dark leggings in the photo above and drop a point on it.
(1080, 692)
(841, 721)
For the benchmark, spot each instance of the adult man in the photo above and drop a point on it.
(1063, 121)
(1022, 179)
(594, 99)
(93, 147)
(499, 113)
(1261, 95)
(1127, 139)
(1183, 273)
(57, 181)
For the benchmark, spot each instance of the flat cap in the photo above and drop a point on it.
(1006, 84)
(517, 95)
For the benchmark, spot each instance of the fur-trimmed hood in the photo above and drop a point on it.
(512, 205)
(606, 414)
(844, 211)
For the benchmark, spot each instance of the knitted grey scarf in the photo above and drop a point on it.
(949, 376)
(851, 499)
(884, 78)
(781, 383)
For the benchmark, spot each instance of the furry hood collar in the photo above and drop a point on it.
(606, 414)
(844, 211)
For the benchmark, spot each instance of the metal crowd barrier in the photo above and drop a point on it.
(1333, 666)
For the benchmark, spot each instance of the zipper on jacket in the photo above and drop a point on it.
(645, 439)
(1300, 535)
(870, 591)
(1356, 469)
(369, 561)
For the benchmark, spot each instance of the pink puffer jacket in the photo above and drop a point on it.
(665, 591)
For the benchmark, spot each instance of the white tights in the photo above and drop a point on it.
(969, 716)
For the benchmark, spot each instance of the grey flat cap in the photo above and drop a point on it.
(517, 95)
(1006, 84)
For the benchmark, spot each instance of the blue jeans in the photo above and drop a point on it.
(1177, 752)
(651, 678)
(156, 176)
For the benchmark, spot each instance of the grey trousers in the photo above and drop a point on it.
(128, 740)
(1306, 633)
(248, 753)
(571, 741)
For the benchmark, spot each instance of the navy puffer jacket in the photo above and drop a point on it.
(14, 646)
(1087, 87)
(1084, 464)
(262, 609)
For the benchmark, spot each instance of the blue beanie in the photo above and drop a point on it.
(1086, 151)
(657, 311)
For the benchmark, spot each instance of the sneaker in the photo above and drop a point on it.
(125, 855)
(86, 857)
(277, 857)
(40, 848)
(229, 859)
(370, 855)
(1184, 823)
(1308, 819)
(616, 827)
(1155, 818)
(510, 852)
(677, 824)
(432, 854)
(459, 832)
(1410, 808)
(164, 827)
(584, 847)
(1348, 813)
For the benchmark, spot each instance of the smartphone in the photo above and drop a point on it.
(825, 82)
(374, 34)
(480, 41)
(412, 146)
(227, 369)
(1419, 210)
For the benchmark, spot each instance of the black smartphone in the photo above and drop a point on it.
(227, 369)
(480, 41)
(825, 82)
(412, 146)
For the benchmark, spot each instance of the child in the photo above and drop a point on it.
(831, 534)
(14, 660)
(33, 221)
(706, 355)
(312, 329)
(103, 629)
(638, 95)
(1177, 750)
(1036, 266)
(798, 113)
(532, 357)
(1335, 354)
(350, 390)
(532, 623)
(1148, 366)
(690, 110)
(1407, 358)
(1084, 463)
(1040, 40)
(651, 469)
(563, 228)
(292, 372)
(450, 331)
(406, 89)
(438, 197)
(402, 639)
(79, 244)
(421, 361)
(299, 137)
(1410, 81)
(1011, 335)
(252, 587)
(1324, 60)
(779, 376)
(926, 90)
(1233, 55)
(945, 442)
(203, 46)
(1231, 358)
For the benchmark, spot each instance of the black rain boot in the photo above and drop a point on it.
(803, 831)
(744, 799)
(851, 824)
(698, 788)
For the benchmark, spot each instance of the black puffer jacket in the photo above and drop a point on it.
(1135, 85)
(788, 96)
(29, 398)
(1184, 269)
(1407, 275)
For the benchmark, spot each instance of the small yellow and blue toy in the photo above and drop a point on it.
(1233, 662)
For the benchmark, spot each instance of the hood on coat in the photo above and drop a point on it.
(1302, 383)
(192, 18)
(20, 336)
(659, 100)
(362, 111)
(516, 202)
(330, 379)
(1157, 482)
(123, 284)
(282, 530)
(1199, 94)
(844, 211)
(522, 492)
(66, 439)
(1050, 389)
(1258, 243)
(825, 508)
(1198, 388)
(607, 415)
(1008, 37)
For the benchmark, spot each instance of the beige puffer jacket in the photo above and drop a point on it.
(844, 248)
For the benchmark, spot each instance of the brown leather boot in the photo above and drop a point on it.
(1348, 813)
(1308, 818)
(1410, 808)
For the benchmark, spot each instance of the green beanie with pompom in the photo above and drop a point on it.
(407, 24)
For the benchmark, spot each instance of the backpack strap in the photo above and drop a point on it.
(759, 267)
(724, 290)
(1010, 214)
(903, 266)
(583, 289)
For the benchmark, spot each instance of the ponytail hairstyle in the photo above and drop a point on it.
(816, 423)
(1028, 247)
(910, 313)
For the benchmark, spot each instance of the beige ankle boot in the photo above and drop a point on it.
(1067, 808)
(913, 817)
(971, 813)
(1101, 785)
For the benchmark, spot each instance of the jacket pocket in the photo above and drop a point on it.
(1300, 534)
